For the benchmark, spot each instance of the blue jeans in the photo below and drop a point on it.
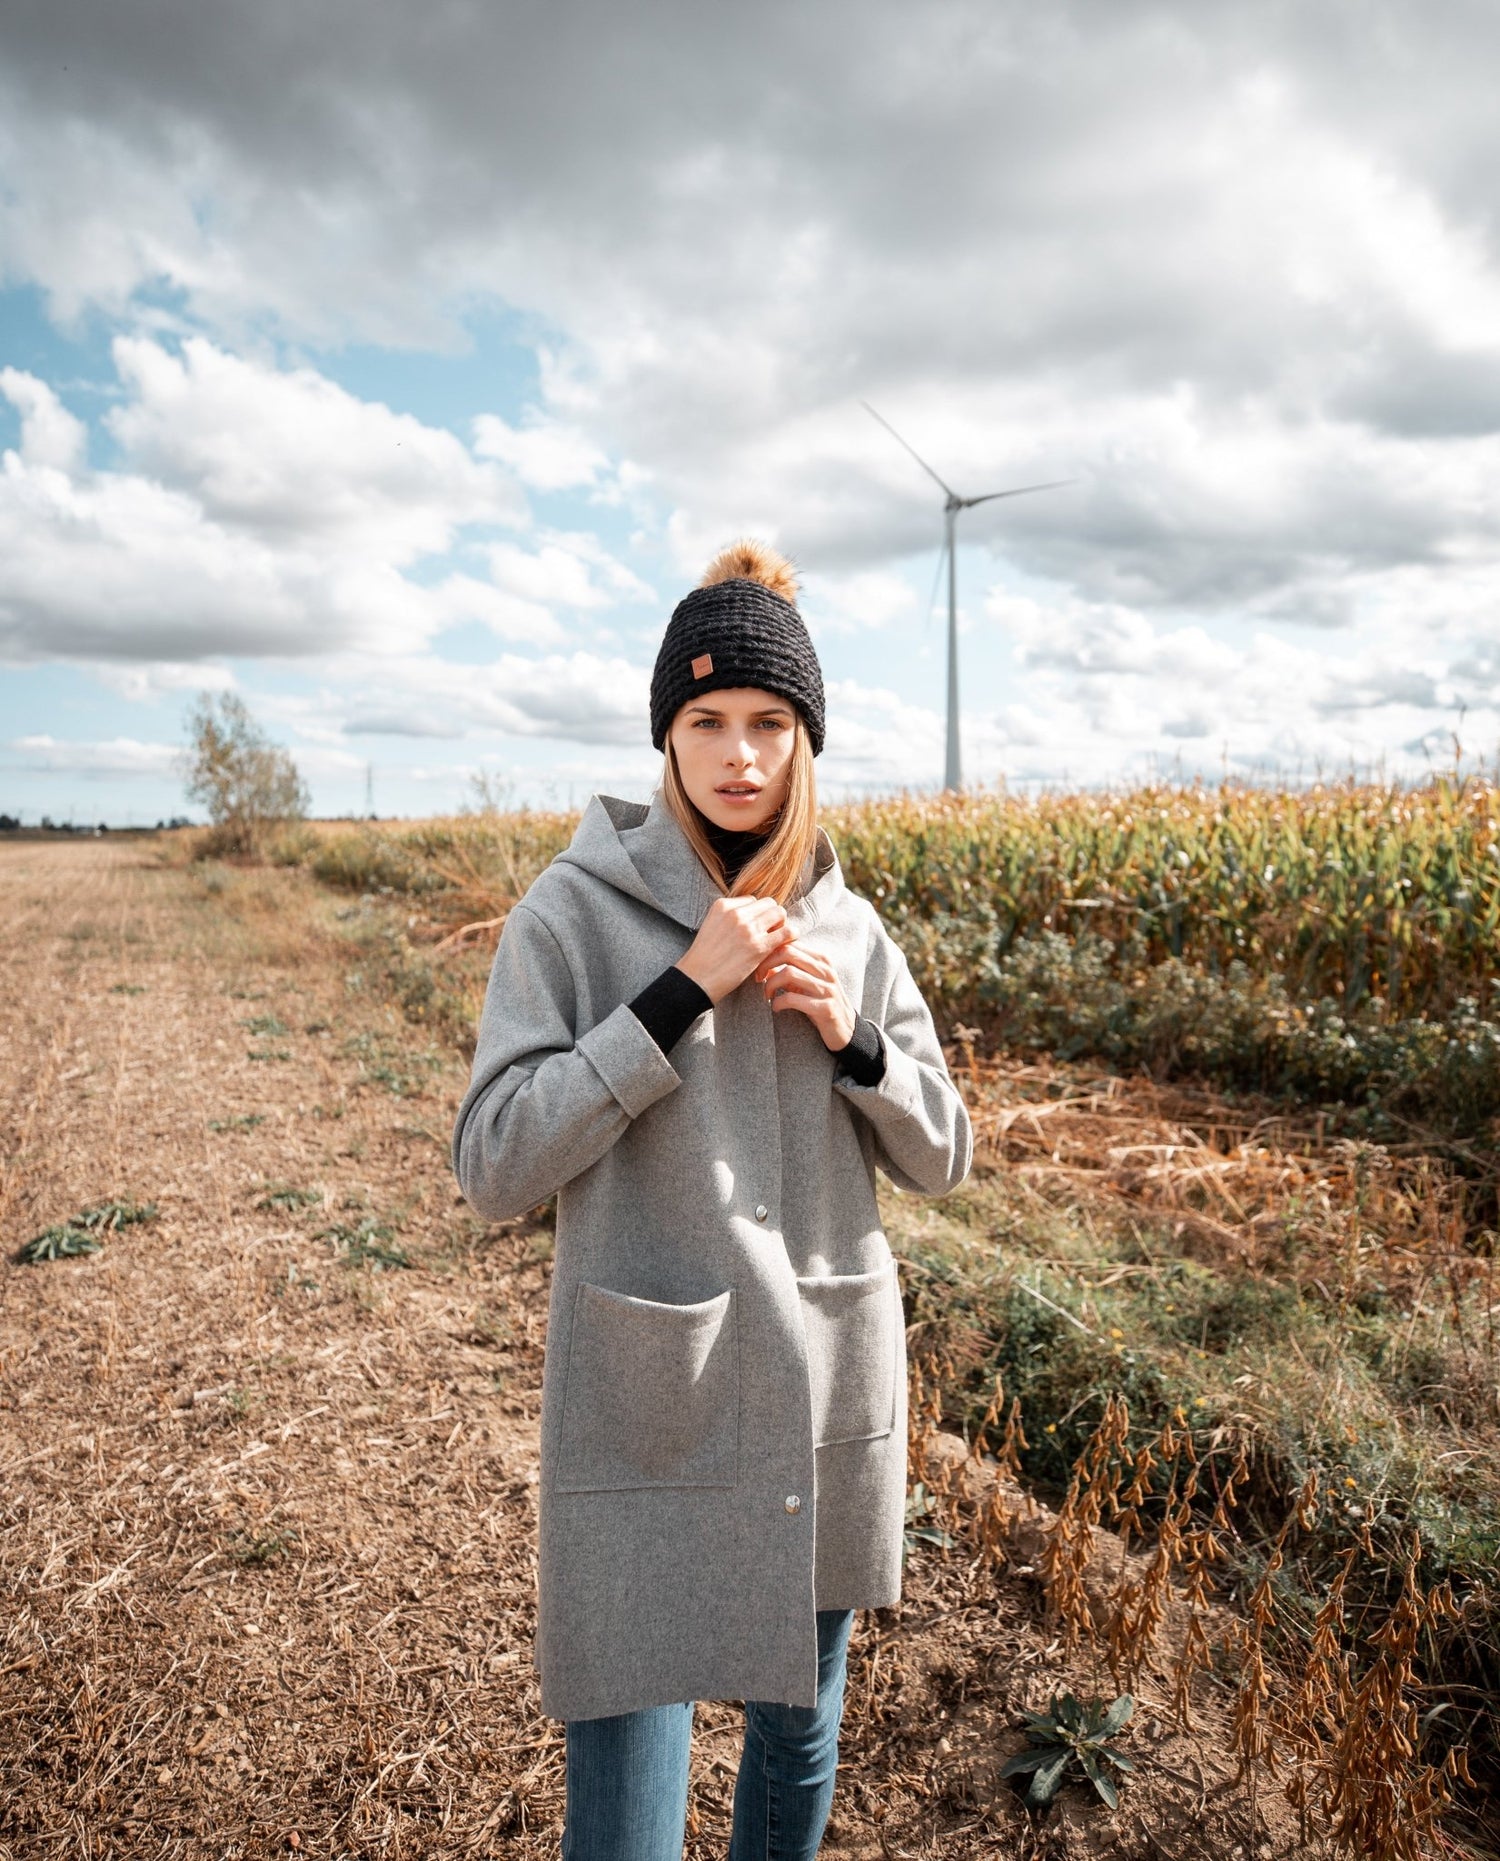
(627, 1776)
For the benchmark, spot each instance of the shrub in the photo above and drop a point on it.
(1087, 997)
(247, 783)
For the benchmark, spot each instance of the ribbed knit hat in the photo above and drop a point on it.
(739, 626)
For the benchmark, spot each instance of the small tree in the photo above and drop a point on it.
(489, 793)
(244, 779)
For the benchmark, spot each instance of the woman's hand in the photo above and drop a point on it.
(798, 977)
(735, 935)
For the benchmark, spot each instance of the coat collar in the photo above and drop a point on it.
(641, 851)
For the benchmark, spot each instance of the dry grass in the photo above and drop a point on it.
(1266, 1296)
(267, 1514)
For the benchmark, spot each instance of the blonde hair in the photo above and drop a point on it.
(775, 868)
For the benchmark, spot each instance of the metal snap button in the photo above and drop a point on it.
(761, 1211)
(793, 1503)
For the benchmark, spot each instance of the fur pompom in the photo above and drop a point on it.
(754, 561)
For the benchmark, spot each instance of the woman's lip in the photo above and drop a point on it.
(737, 794)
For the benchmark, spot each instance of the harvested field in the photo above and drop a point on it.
(268, 1457)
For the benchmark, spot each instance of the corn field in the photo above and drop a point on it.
(1388, 894)
(1382, 894)
(1336, 946)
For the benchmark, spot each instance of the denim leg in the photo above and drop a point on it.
(785, 1785)
(627, 1785)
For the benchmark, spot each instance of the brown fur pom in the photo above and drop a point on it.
(753, 561)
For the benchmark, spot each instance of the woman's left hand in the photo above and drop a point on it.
(797, 977)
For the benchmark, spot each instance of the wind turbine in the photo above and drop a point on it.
(953, 505)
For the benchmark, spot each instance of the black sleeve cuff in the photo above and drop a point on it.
(863, 1060)
(669, 1006)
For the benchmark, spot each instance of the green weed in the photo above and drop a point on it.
(1072, 1732)
(83, 1233)
(919, 1503)
(287, 1195)
(261, 1548)
(367, 1242)
(389, 1063)
(266, 1024)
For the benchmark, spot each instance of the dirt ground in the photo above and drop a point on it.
(268, 1496)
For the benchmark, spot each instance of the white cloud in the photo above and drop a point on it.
(875, 738)
(565, 570)
(1108, 688)
(545, 453)
(144, 683)
(290, 456)
(1104, 640)
(1233, 268)
(120, 756)
(849, 603)
(253, 512)
(51, 437)
(580, 697)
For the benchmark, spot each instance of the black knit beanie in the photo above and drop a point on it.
(739, 626)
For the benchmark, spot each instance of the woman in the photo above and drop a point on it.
(706, 1045)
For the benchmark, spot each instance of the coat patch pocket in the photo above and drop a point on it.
(851, 1325)
(652, 1396)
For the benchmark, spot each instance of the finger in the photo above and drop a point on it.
(763, 916)
(793, 998)
(794, 972)
(775, 942)
(806, 961)
(819, 991)
(815, 962)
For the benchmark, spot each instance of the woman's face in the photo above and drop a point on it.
(734, 754)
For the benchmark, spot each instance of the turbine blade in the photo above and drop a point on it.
(1019, 492)
(911, 449)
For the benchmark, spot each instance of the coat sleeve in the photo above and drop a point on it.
(924, 1137)
(544, 1104)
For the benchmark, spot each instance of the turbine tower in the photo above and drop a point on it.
(952, 506)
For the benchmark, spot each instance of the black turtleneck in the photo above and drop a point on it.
(667, 1007)
(735, 846)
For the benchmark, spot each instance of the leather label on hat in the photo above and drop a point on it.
(703, 665)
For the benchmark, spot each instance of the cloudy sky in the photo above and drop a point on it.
(400, 368)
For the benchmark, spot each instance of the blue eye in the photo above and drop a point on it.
(765, 723)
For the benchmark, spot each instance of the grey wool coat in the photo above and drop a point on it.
(723, 1430)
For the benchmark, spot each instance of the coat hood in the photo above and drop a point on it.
(640, 850)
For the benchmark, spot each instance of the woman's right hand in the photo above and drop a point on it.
(733, 937)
